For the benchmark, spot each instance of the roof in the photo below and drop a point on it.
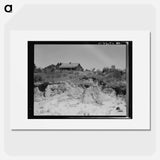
(68, 65)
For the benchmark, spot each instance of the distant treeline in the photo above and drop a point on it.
(53, 68)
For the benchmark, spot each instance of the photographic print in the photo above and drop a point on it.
(79, 79)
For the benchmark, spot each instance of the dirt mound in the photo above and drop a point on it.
(88, 95)
(92, 94)
(54, 89)
(108, 90)
(69, 88)
(73, 90)
(67, 98)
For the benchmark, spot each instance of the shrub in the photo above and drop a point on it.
(70, 76)
(37, 70)
(38, 78)
(119, 87)
(58, 76)
(43, 86)
(76, 73)
(106, 70)
(48, 77)
(64, 75)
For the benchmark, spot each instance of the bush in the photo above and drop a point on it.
(76, 73)
(106, 70)
(58, 76)
(70, 76)
(38, 78)
(48, 77)
(64, 75)
(119, 87)
(37, 70)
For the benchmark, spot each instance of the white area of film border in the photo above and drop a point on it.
(141, 99)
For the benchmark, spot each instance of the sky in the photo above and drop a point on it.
(89, 56)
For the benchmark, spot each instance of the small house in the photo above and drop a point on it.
(71, 66)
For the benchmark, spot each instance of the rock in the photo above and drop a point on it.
(119, 109)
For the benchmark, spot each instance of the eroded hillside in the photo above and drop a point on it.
(85, 98)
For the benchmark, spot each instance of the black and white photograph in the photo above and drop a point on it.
(79, 79)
